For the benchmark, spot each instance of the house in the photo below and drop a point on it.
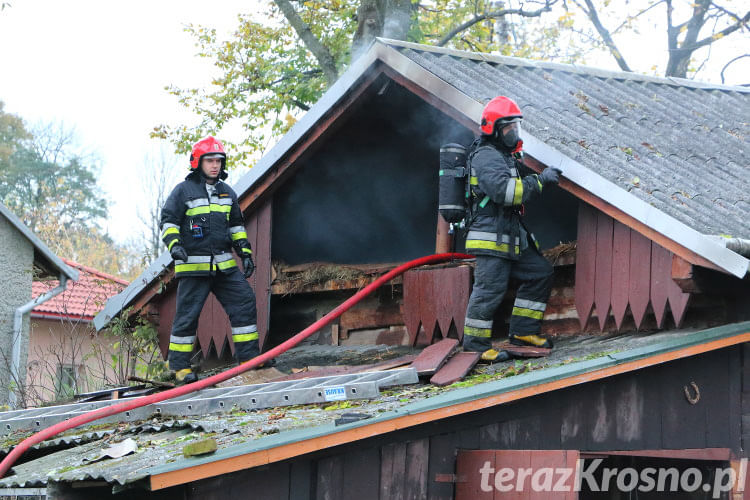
(25, 258)
(66, 356)
(654, 173)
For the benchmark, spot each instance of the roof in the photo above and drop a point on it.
(50, 263)
(295, 431)
(81, 299)
(670, 154)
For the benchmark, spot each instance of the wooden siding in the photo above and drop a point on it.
(436, 300)
(617, 268)
(213, 325)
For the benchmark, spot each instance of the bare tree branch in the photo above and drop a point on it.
(321, 53)
(590, 11)
(636, 16)
(730, 62)
(721, 34)
(478, 18)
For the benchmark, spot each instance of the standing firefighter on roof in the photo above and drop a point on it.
(201, 223)
(498, 237)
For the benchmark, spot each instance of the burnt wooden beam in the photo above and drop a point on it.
(443, 238)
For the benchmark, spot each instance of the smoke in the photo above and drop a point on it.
(369, 192)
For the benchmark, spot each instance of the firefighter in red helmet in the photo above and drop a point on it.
(201, 223)
(498, 237)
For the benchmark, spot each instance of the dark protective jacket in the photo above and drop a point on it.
(498, 191)
(208, 228)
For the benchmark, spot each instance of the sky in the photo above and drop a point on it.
(101, 68)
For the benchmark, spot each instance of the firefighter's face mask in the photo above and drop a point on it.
(509, 135)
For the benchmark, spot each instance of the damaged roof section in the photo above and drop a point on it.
(159, 442)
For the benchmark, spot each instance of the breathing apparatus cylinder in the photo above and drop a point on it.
(452, 197)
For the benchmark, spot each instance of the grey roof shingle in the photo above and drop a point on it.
(681, 149)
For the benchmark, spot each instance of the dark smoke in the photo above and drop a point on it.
(369, 193)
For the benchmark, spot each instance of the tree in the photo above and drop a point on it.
(50, 183)
(268, 77)
(705, 22)
(13, 135)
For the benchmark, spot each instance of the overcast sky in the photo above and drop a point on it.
(102, 66)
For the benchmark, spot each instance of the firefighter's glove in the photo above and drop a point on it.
(550, 175)
(178, 253)
(247, 264)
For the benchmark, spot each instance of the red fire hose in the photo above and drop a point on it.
(107, 411)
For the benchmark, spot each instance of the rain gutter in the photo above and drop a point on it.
(15, 368)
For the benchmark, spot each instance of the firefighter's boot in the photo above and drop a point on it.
(494, 356)
(185, 376)
(530, 341)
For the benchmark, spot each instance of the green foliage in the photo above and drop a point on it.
(39, 190)
(266, 75)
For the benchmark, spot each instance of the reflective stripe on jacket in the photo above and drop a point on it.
(208, 227)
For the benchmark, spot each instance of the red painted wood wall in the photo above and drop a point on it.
(433, 299)
(475, 485)
(213, 325)
(618, 269)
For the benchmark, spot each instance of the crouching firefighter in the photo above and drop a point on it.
(201, 223)
(496, 235)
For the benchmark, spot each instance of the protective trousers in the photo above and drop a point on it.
(237, 299)
(491, 277)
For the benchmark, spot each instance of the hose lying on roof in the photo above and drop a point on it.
(107, 411)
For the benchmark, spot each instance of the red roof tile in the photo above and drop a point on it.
(82, 299)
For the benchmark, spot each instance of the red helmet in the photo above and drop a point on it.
(499, 108)
(209, 145)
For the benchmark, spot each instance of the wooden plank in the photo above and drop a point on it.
(442, 461)
(683, 275)
(520, 351)
(204, 332)
(639, 292)
(300, 480)
(443, 238)
(620, 272)
(167, 309)
(455, 369)
(585, 263)
(392, 469)
(469, 463)
(411, 304)
(262, 273)
(427, 304)
(661, 276)
(552, 460)
(678, 298)
(367, 315)
(513, 460)
(417, 455)
(433, 357)
(603, 283)
(330, 484)
(360, 474)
